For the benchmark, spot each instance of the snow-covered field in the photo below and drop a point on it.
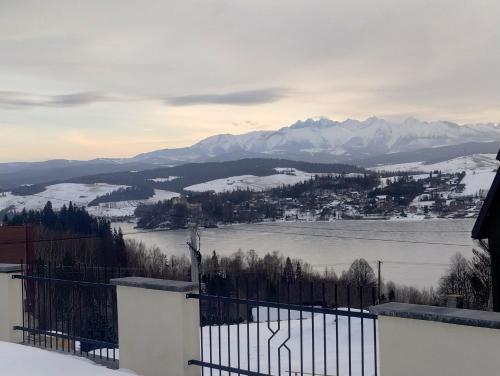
(46, 363)
(164, 180)
(285, 176)
(59, 195)
(476, 181)
(294, 344)
(479, 170)
(81, 195)
(470, 162)
(23, 360)
(127, 208)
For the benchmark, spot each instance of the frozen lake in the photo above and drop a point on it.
(413, 252)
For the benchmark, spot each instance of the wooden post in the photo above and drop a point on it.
(379, 287)
(194, 251)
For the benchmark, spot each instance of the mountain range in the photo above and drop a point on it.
(365, 143)
(325, 140)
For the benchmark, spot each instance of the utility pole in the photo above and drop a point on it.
(379, 280)
(194, 245)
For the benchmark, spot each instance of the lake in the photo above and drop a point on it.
(413, 252)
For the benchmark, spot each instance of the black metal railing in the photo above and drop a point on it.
(307, 329)
(71, 310)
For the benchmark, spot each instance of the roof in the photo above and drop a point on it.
(492, 201)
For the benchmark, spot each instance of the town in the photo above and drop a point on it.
(324, 197)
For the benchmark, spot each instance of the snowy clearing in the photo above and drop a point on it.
(294, 344)
(287, 176)
(126, 208)
(470, 162)
(23, 360)
(81, 195)
(477, 181)
(59, 195)
(164, 180)
(479, 170)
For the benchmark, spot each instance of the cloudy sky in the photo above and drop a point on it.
(83, 79)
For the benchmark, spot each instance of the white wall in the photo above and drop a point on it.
(411, 347)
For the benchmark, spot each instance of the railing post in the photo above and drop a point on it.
(158, 328)
(11, 303)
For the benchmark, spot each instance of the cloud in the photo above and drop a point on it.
(248, 124)
(13, 99)
(236, 98)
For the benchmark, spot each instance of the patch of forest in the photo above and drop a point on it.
(124, 194)
(27, 189)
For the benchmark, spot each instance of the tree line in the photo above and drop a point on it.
(94, 243)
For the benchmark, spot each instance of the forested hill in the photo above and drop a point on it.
(71, 235)
(178, 177)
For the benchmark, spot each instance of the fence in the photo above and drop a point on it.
(70, 309)
(306, 329)
(249, 326)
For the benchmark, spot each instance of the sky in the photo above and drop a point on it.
(87, 79)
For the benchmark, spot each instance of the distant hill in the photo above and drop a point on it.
(13, 175)
(431, 155)
(179, 177)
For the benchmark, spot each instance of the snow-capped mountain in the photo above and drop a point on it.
(331, 141)
(365, 143)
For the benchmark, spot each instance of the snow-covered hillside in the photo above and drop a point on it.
(81, 195)
(348, 139)
(480, 170)
(58, 194)
(285, 176)
(126, 208)
(470, 162)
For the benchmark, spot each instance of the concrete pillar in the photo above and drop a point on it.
(158, 328)
(418, 340)
(11, 303)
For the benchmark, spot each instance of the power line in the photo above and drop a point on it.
(388, 262)
(81, 237)
(353, 238)
(248, 230)
(358, 230)
(416, 263)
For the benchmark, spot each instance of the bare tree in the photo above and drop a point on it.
(360, 273)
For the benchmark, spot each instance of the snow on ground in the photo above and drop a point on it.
(127, 208)
(21, 360)
(44, 363)
(477, 181)
(479, 170)
(82, 195)
(391, 179)
(255, 183)
(59, 195)
(164, 180)
(294, 344)
(161, 195)
(465, 163)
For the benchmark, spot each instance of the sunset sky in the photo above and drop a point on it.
(85, 79)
